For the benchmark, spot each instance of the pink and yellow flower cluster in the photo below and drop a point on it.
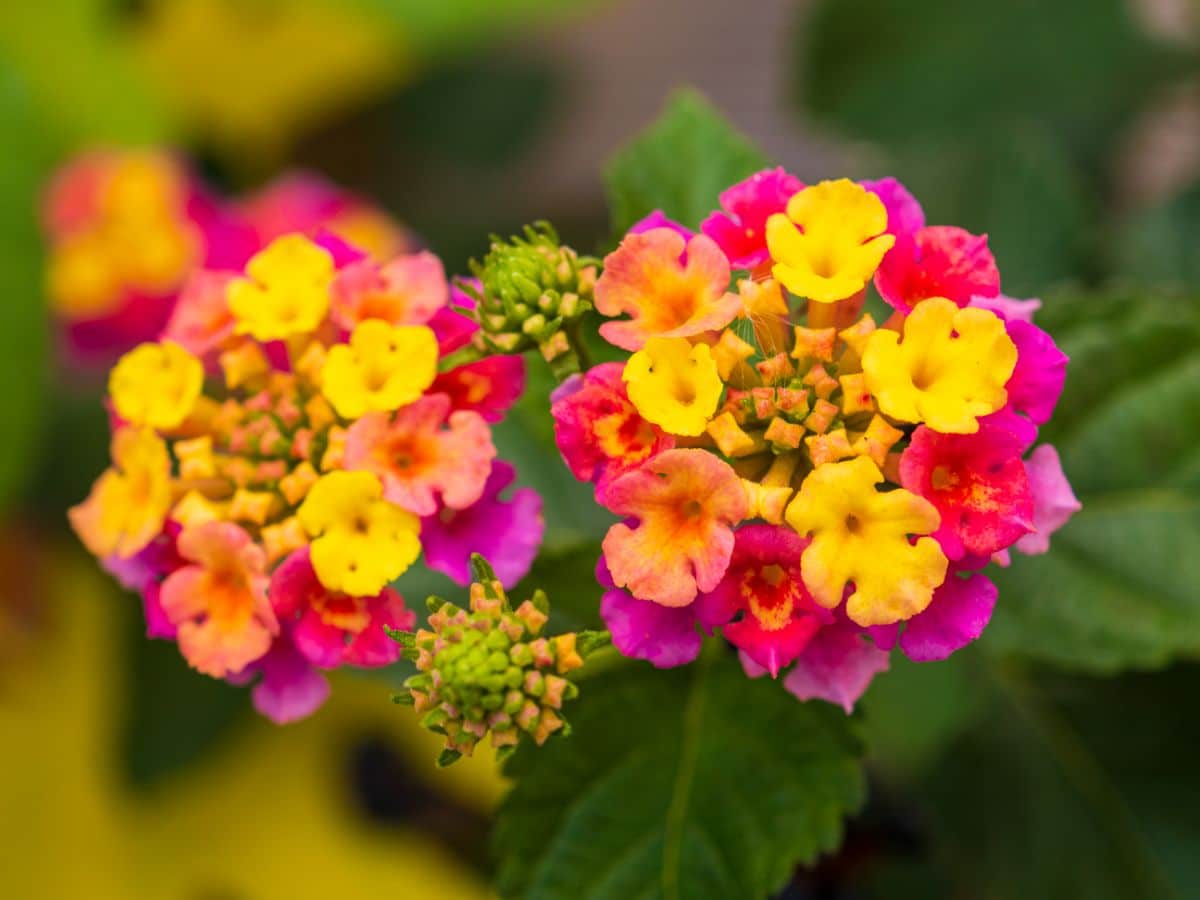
(126, 230)
(817, 485)
(287, 447)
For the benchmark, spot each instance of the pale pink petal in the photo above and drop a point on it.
(837, 666)
(1053, 500)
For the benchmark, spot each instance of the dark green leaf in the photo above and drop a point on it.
(566, 577)
(679, 165)
(1159, 245)
(695, 783)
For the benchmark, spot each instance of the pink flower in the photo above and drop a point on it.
(330, 628)
(489, 386)
(937, 261)
(408, 290)
(289, 687)
(976, 482)
(683, 505)
(665, 293)
(598, 431)
(837, 666)
(904, 213)
(201, 321)
(664, 636)
(763, 586)
(1037, 381)
(740, 228)
(424, 453)
(1053, 500)
(505, 532)
(1008, 308)
(219, 603)
(659, 219)
(959, 612)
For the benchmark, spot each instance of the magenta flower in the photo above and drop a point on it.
(740, 227)
(959, 612)
(664, 636)
(1053, 500)
(836, 666)
(1008, 308)
(329, 628)
(289, 687)
(505, 532)
(659, 219)
(904, 213)
(489, 386)
(1037, 381)
(937, 261)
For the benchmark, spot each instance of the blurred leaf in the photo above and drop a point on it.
(679, 164)
(1159, 245)
(692, 783)
(1119, 585)
(22, 314)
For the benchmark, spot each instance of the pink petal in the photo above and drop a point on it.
(903, 211)
(1053, 500)
(290, 688)
(960, 611)
(664, 636)
(837, 666)
(1037, 381)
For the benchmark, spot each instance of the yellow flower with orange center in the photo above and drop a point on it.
(674, 384)
(383, 368)
(287, 291)
(156, 385)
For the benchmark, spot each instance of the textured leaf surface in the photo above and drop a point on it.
(695, 783)
(679, 165)
(1120, 586)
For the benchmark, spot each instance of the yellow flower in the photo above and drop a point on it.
(861, 535)
(838, 245)
(128, 504)
(361, 541)
(287, 292)
(156, 385)
(674, 384)
(383, 368)
(950, 368)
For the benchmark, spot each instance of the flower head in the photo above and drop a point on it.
(949, 369)
(408, 290)
(382, 368)
(674, 384)
(360, 541)
(938, 261)
(128, 504)
(156, 385)
(669, 288)
(684, 504)
(740, 227)
(830, 241)
(423, 454)
(861, 536)
(219, 602)
(286, 291)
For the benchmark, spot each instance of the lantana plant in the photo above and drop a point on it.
(298, 434)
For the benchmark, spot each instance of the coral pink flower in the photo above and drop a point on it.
(507, 533)
(684, 504)
(764, 585)
(664, 294)
(330, 628)
(598, 430)
(837, 666)
(1037, 381)
(489, 386)
(424, 452)
(976, 482)
(201, 321)
(664, 636)
(937, 261)
(1053, 500)
(904, 213)
(408, 290)
(740, 227)
(219, 603)
(959, 612)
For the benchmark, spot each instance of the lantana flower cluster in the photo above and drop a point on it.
(300, 432)
(815, 483)
(126, 230)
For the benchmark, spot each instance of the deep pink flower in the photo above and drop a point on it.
(1053, 500)
(598, 431)
(659, 219)
(506, 532)
(836, 666)
(289, 687)
(1037, 381)
(331, 629)
(976, 482)
(904, 213)
(776, 616)
(489, 386)
(740, 227)
(959, 612)
(937, 261)
(664, 636)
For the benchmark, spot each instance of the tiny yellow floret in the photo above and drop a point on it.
(156, 385)
(287, 291)
(383, 368)
(674, 384)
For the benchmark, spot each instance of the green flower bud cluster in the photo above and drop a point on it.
(534, 292)
(489, 670)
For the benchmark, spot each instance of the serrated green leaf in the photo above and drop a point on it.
(695, 783)
(679, 165)
(1119, 585)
